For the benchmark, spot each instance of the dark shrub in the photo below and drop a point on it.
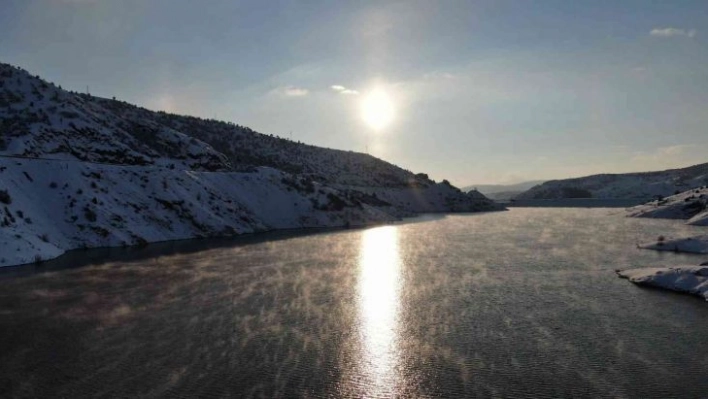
(5, 197)
(89, 214)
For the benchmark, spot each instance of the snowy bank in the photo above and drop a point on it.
(695, 245)
(689, 205)
(49, 207)
(699, 220)
(687, 279)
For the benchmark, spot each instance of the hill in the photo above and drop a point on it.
(81, 171)
(646, 185)
(503, 191)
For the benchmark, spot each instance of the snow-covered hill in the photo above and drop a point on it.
(245, 148)
(646, 185)
(81, 171)
(41, 120)
(38, 119)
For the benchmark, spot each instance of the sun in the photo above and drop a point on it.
(377, 109)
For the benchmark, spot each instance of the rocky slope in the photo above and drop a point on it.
(81, 171)
(646, 185)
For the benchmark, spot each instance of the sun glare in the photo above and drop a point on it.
(379, 303)
(377, 109)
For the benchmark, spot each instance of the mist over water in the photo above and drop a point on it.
(524, 302)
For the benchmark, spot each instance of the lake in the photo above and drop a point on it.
(504, 304)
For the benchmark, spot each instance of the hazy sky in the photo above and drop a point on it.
(482, 91)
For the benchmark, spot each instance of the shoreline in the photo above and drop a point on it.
(242, 238)
(195, 244)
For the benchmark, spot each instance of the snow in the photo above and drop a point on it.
(687, 279)
(700, 219)
(696, 245)
(56, 206)
(690, 204)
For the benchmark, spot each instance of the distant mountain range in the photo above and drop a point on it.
(80, 171)
(503, 191)
(645, 185)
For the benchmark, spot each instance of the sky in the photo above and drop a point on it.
(476, 92)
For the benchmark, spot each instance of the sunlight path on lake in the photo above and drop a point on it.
(379, 305)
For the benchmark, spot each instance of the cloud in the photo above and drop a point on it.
(640, 72)
(667, 156)
(343, 90)
(674, 149)
(672, 32)
(291, 91)
(77, 2)
(439, 75)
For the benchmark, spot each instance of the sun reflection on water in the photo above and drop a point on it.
(379, 290)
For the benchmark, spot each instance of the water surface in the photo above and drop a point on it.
(518, 303)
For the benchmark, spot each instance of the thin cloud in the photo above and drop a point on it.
(292, 91)
(668, 154)
(674, 149)
(672, 32)
(439, 75)
(640, 72)
(343, 90)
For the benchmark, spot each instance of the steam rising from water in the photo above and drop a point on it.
(518, 303)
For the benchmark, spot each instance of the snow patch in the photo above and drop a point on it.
(690, 204)
(687, 279)
(696, 245)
